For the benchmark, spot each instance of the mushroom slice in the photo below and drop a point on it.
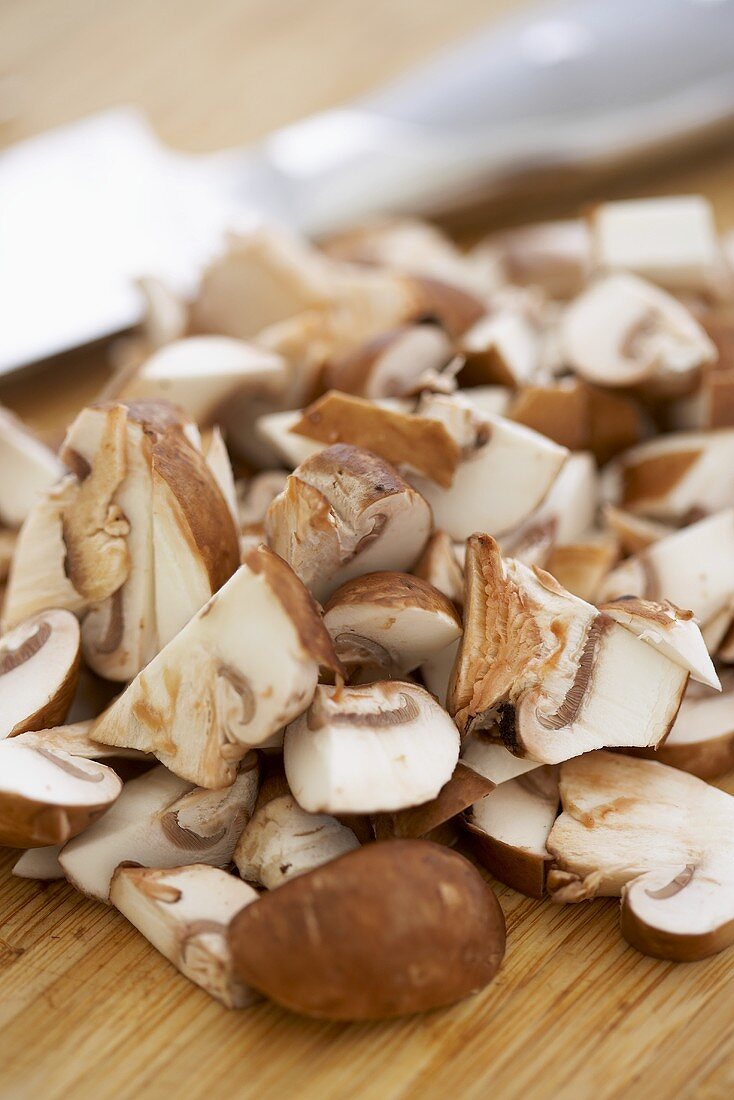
(38, 578)
(670, 240)
(206, 376)
(39, 669)
(634, 533)
(559, 676)
(505, 472)
(281, 841)
(29, 469)
(185, 913)
(431, 818)
(670, 630)
(397, 363)
(345, 512)
(41, 864)
(582, 566)
(419, 444)
(76, 740)
(384, 625)
(386, 930)
(256, 494)
(677, 476)
(439, 566)
(492, 760)
(558, 410)
(242, 668)
(487, 400)
(264, 276)
(553, 255)
(217, 459)
(284, 446)
(502, 348)
(370, 749)
(661, 839)
(622, 331)
(160, 820)
(509, 829)
(701, 740)
(404, 244)
(563, 517)
(663, 572)
(47, 796)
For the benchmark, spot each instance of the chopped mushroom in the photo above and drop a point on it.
(558, 675)
(582, 566)
(505, 472)
(387, 930)
(622, 331)
(663, 572)
(671, 240)
(370, 749)
(282, 840)
(39, 669)
(76, 740)
(439, 566)
(185, 912)
(553, 255)
(510, 826)
(345, 512)
(711, 406)
(430, 820)
(633, 532)
(659, 838)
(29, 469)
(397, 363)
(384, 625)
(242, 668)
(210, 377)
(677, 477)
(47, 796)
(160, 820)
(701, 740)
(502, 349)
(418, 444)
(41, 864)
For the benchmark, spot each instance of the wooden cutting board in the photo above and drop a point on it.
(87, 1007)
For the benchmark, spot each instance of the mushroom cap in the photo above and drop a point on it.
(39, 669)
(243, 667)
(392, 928)
(29, 469)
(561, 677)
(345, 512)
(160, 820)
(505, 473)
(370, 749)
(185, 913)
(282, 840)
(463, 788)
(47, 796)
(391, 621)
(701, 740)
(510, 826)
(622, 331)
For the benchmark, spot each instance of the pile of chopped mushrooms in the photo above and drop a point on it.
(372, 558)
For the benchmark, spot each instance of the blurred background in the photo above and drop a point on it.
(223, 73)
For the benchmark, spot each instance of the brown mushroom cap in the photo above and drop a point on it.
(396, 363)
(390, 929)
(39, 669)
(47, 796)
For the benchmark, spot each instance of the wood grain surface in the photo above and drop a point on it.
(87, 1007)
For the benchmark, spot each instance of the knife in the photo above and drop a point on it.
(88, 208)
